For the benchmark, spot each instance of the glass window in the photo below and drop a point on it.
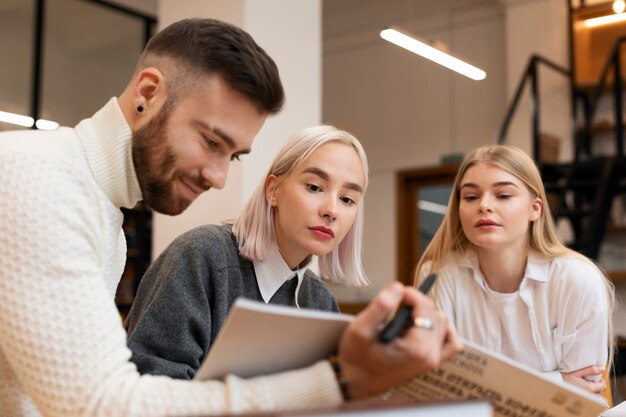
(87, 59)
(432, 204)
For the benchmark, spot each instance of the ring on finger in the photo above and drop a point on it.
(423, 323)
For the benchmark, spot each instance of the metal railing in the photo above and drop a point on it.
(591, 104)
(530, 75)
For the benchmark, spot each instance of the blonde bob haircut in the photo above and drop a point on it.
(542, 236)
(254, 228)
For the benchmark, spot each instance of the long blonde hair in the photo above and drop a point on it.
(542, 236)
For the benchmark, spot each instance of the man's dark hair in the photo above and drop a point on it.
(210, 46)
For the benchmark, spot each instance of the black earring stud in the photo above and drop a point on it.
(139, 109)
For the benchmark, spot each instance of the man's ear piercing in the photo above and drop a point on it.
(139, 109)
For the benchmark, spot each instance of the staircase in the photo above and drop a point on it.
(582, 190)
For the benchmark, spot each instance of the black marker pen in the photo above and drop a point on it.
(403, 318)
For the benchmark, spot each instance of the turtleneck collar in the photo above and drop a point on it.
(107, 139)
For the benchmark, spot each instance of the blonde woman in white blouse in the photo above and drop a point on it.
(508, 283)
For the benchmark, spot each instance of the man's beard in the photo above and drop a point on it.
(155, 164)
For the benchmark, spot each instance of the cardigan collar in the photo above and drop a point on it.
(107, 140)
(273, 272)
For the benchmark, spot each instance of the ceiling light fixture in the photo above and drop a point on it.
(618, 7)
(27, 121)
(410, 42)
(605, 20)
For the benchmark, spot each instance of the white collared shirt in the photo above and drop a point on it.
(566, 314)
(273, 272)
(512, 310)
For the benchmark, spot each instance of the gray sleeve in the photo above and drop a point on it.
(169, 324)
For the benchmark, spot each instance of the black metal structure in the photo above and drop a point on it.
(583, 189)
(149, 24)
(530, 76)
(38, 38)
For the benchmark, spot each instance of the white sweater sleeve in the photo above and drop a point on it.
(62, 344)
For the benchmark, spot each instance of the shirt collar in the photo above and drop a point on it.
(273, 272)
(107, 140)
(537, 267)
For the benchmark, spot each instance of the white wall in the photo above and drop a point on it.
(285, 29)
(273, 24)
(548, 38)
(407, 111)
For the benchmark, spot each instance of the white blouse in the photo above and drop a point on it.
(561, 324)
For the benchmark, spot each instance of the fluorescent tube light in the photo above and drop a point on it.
(605, 20)
(43, 124)
(27, 121)
(408, 41)
(16, 119)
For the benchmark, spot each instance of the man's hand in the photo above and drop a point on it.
(371, 367)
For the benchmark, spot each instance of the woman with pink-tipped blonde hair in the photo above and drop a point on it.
(309, 204)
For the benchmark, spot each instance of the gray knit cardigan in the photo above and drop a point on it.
(184, 299)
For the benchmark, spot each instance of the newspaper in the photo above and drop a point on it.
(513, 389)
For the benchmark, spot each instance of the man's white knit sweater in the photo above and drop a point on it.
(62, 251)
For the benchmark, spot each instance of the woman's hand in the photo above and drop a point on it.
(583, 378)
